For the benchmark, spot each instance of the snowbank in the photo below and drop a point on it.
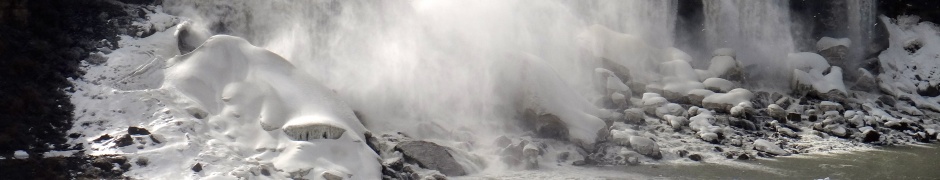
(251, 94)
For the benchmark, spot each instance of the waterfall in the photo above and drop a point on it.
(759, 31)
(862, 19)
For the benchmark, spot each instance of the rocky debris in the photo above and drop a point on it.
(545, 125)
(431, 156)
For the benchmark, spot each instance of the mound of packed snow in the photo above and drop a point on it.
(806, 61)
(911, 63)
(254, 99)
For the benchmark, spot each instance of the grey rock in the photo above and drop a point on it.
(431, 156)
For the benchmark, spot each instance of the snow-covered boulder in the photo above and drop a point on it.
(546, 125)
(725, 101)
(697, 95)
(826, 106)
(835, 51)
(645, 146)
(829, 86)
(679, 78)
(633, 116)
(677, 122)
(769, 147)
(652, 101)
(776, 112)
(726, 67)
(718, 85)
(670, 109)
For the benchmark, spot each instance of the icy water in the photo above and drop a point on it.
(906, 162)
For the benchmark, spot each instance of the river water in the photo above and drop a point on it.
(902, 162)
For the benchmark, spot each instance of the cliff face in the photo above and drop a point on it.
(42, 43)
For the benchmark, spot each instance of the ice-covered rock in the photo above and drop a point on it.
(815, 82)
(827, 106)
(718, 85)
(645, 146)
(431, 156)
(769, 147)
(633, 116)
(652, 101)
(679, 78)
(726, 67)
(776, 112)
(670, 109)
(530, 153)
(677, 122)
(697, 95)
(725, 101)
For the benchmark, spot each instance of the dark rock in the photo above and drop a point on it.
(579, 163)
(741, 123)
(812, 118)
(696, 157)
(371, 142)
(197, 167)
(142, 161)
(546, 125)
(744, 157)
(930, 91)
(102, 138)
(431, 156)
(137, 131)
(794, 117)
(125, 140)
(154, 139)
(682, 153)
(871, 136)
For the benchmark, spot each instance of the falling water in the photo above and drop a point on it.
(862, 20)
(759, 31)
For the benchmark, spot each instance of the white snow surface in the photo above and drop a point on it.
(246, 95)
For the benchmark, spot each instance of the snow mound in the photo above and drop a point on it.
(817, 81)
(828, 42)
(248, 93)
